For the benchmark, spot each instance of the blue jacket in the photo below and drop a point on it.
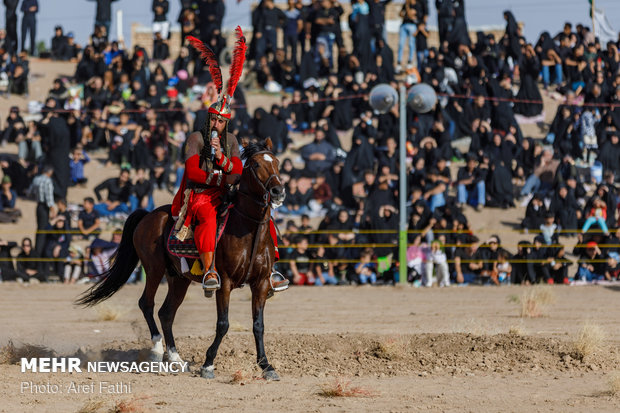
(27, 4)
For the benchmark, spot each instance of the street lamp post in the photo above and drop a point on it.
(421, 98)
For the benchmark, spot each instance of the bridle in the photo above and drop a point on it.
(266, 197)
(264, 208)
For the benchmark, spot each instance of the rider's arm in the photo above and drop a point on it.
(193, 170)
(232, 165)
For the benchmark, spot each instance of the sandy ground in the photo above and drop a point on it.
(456, 349)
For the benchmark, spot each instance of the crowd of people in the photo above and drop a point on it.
(135, 108)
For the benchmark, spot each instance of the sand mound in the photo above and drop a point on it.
(321, 355)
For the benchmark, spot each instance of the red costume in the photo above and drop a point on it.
(205, 196)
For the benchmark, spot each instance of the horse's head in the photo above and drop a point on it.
(261, 173)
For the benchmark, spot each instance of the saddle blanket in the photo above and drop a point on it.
(187, 248)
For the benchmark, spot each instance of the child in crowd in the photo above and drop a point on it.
(502, 269)
(598, 215)
(437, 259)
(365, 269)
(548, 229)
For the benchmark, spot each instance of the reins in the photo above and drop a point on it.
(264, 205)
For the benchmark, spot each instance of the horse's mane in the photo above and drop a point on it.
(254, 148)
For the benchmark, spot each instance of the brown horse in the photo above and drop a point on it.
(244, 255)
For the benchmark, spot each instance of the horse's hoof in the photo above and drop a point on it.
(271, 375)
(207, 372)
(155, 356)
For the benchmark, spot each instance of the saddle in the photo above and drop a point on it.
(187, 248)
(181, 239)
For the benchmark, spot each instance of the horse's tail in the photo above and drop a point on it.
(125, 260)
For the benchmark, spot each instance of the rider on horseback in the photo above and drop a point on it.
(212, 168)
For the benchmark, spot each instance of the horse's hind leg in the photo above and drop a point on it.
(259, 296)
(223, 298)
(177, 287)
(146, 303)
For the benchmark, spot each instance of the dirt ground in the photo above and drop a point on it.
(404, 349)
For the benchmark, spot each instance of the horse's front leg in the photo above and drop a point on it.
(259, 296)
(223, 297)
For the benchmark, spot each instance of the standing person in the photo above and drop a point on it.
(11, 24)
(292, 28)
(43, 190)
(104, 14)
(57, 136)
(29, 23)
(445, 18)
(160, 18)
(408, 28)
(211, 15)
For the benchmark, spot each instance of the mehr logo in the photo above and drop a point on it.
(51, 365)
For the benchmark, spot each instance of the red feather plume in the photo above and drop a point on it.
(210, 60)
(238, 58)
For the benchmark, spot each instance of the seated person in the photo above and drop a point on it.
(57, 243)
(467, 261)
(7, 270)
(29, 145)
(27, 268)
(520, 274)
(558, 267)
(59, 44)
(612, 272)
(300, 263)
(18, 78)
(597, 215)
(471, 188)
(100, 253)
(88, 219)
(592, 263)
(366, 270)
(119, 190)
(323, 271)
(8, 197)
(142, 192)
(539, 268)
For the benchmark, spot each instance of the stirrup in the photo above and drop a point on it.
(280, 285)
(207, 283)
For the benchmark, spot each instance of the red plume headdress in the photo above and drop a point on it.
(222, 106)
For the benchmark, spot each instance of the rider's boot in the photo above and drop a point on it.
(211, 279)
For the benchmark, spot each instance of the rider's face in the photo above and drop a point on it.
(218, 124)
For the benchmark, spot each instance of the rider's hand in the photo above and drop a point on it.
(215, 144)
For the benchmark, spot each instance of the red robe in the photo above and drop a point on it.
(203, 206)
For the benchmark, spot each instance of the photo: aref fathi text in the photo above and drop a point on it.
(73, 387)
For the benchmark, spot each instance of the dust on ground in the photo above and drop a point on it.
(455, 349)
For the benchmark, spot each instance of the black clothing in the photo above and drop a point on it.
(88, 218)
(57, 145)
(530, 69)
(115, 191)
(104, 10)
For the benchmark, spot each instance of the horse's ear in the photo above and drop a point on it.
(268, 143)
